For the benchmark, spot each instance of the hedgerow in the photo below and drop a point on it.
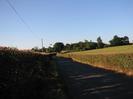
(27, 75)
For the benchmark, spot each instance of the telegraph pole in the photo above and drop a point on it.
(42, 44)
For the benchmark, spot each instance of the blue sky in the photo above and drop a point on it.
(64, 20)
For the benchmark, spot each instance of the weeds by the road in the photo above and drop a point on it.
(28, 75)
(113, 58)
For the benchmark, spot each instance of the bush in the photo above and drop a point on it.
(27, 75)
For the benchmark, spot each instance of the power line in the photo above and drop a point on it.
(19, 16)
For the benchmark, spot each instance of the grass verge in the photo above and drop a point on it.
(113, 58)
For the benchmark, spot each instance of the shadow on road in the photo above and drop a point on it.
(88, 82)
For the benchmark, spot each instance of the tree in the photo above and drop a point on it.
(93, 45)
(87, 45)
(58, 47)
(116, 41)
(100, 43)
(90, 45)
(81, 45)
(49, 49)
(125, 40)
(43, 49)
(67, 47)
(75, 47)
(36, 49)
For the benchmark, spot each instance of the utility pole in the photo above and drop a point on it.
(42, 44)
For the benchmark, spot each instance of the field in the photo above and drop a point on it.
(119, 58)
(28, 75)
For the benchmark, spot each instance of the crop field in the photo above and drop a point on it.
(27, 75)
(109, 50)
(119, 58)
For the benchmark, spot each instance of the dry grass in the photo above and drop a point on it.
(109, 50)
(26, 75)
(119, 58)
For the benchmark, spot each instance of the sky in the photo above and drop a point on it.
(65, 21)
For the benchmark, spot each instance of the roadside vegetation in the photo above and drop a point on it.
(116, 55)
(84, 45)
(118, 58)
(33, 75)
(28, 75)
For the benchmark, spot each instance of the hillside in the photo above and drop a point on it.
(109, 50)
(118, 59)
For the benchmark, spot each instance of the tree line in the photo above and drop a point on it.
(84, 45)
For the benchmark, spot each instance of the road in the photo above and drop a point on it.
(88, 82)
